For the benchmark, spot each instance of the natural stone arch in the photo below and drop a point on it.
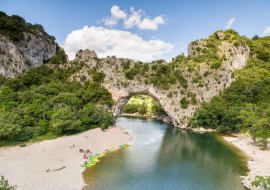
(121, 101)
(122, 88)
(122, 97)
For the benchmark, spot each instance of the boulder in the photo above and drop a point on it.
(220, 35)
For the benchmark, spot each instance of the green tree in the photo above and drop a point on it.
(9, 124)
(263, 122)
(64, 120)
(157, 109)
(143, 108)
(131, 108)
(247, 115)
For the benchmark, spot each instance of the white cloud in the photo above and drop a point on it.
(229, 24)
(122, 44)
(134, 19)
(266, 31)
(117, 14)
(148, 24)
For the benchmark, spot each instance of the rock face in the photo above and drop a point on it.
(220, 35)
(18, 57)
(123, 89)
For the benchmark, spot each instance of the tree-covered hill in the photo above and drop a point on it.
(246, 103)
(64, 97)
(14, 26)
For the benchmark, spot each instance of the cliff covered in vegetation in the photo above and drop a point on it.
(180, 86)
(23, 45)
(221, 76)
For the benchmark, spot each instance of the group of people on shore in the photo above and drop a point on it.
(85, 152)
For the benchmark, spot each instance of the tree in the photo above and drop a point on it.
(65, 120)
(248, 118)
(263, 122)
(131, 108)
(143, 108)
(9, 124)
(4, 185)
(157, 109)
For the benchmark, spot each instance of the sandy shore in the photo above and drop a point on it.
(26, 166)
(261, 165)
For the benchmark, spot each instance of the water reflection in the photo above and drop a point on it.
(163, 157)
(206, 155)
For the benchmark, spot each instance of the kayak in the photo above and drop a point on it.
(111, 150)
(124, 146)
(86, 165)
(99, 155)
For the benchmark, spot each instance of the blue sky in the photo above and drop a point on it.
(179, 22)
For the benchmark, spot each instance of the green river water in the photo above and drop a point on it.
(164, 157)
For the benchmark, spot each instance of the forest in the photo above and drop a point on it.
(245, 105)
(44, 104)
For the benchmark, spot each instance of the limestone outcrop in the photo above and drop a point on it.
(220, 35)
(17, 57)
(123, 89)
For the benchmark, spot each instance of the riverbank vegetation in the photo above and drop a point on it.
(14, 26)
(4, 185)
(45, 103)
(144, 105)
(262, 181)
(245, 105)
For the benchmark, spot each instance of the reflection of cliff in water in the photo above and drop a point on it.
(205, 151)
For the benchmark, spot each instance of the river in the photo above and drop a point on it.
(164, 157)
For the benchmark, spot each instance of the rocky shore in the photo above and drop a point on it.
(259, 160)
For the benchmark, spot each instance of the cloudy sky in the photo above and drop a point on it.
(141, 30)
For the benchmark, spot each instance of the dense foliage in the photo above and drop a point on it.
(246, 103)
(45, 101)
(143, 105)
(14, 26)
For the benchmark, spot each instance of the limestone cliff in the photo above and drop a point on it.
(121, 88)
(17, 57)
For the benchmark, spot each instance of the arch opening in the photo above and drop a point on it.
(144, 105)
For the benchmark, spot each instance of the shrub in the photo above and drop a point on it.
(206, 73)
(215, 65)
(28, 63)
(23, 145)
(194, 101)
(98, 76)
(184, 103)
(154, 67)
(125, 65)
(169, 95)
(4, 185)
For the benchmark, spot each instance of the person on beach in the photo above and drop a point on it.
(73, 146)
(48, 170)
